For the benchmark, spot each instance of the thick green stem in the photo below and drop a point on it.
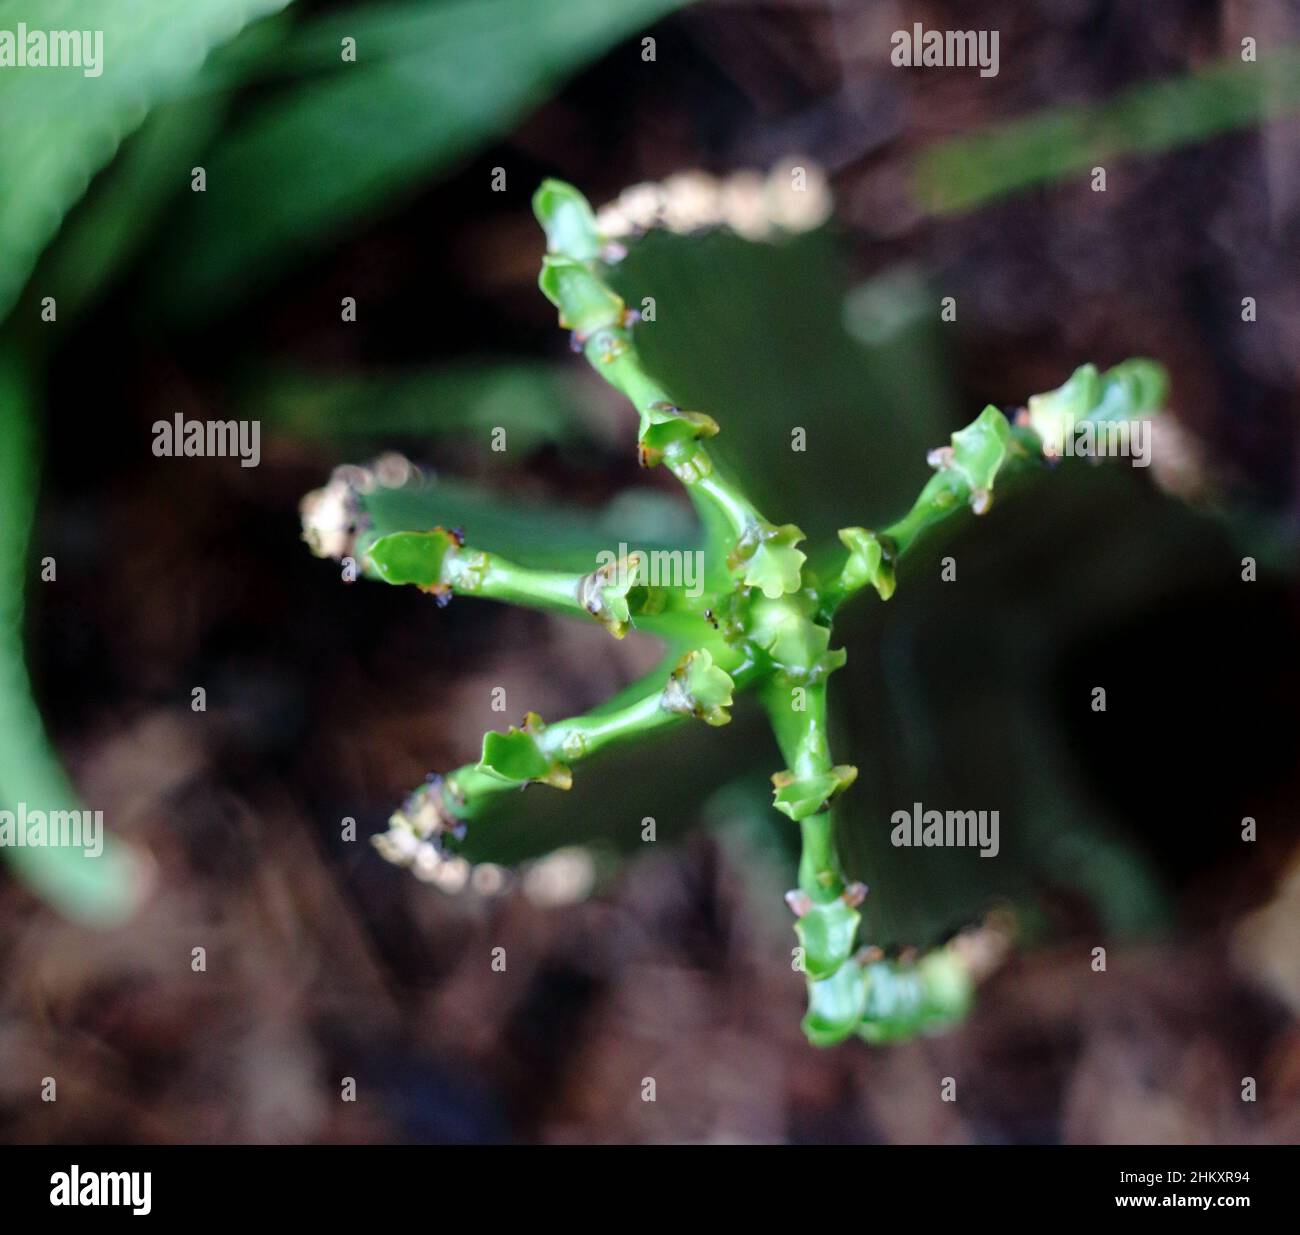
(439, 563)
(490, 576)
(801, 734)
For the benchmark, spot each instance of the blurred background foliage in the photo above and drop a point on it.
(373, 179)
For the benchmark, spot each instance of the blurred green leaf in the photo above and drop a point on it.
(514, 756)
(430, 84)
(94, 889)
(968, 171)
(118, 215)
(61, 127)
(533, 534)
(980, 449)
(535, 403)
(827, 933)
(835, 1005)
(757, 337)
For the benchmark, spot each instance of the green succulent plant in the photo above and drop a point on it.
(761, 621)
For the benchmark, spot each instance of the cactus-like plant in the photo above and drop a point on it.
(761, 622)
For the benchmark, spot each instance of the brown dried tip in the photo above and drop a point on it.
(424, 812)
(331, 516)
(984, 948)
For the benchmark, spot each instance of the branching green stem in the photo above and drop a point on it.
(762, 622)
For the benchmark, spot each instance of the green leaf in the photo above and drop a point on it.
(513, 756)
(697, 687)
(434, 83)
(61, 126)
(103, 889)
(800, 797)
(1155, 115)
(1132, 388)
(604, 592)
(516, 756)
(754, 335)
(772, 563)
(868, 562)
(904, 1000)
(979, 450)
(567, 218)
(124, 205)
(895, 1003)
(412, 557)
(552, 536)
(949, 987)
(535, 403)
(585, 303)
(835, 1005)
(827, 932)
(794, 642)
(1053, 415)
(663, 426)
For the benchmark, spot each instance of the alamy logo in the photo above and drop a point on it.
(52, 49)
(55, 829)
(78, 1187)
(953, 829)
(1089, 439)
(960, 49)
(683, 568)
(181, 438)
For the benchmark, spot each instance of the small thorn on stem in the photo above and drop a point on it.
(870, 955)
(855, 894)
(799, 901)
